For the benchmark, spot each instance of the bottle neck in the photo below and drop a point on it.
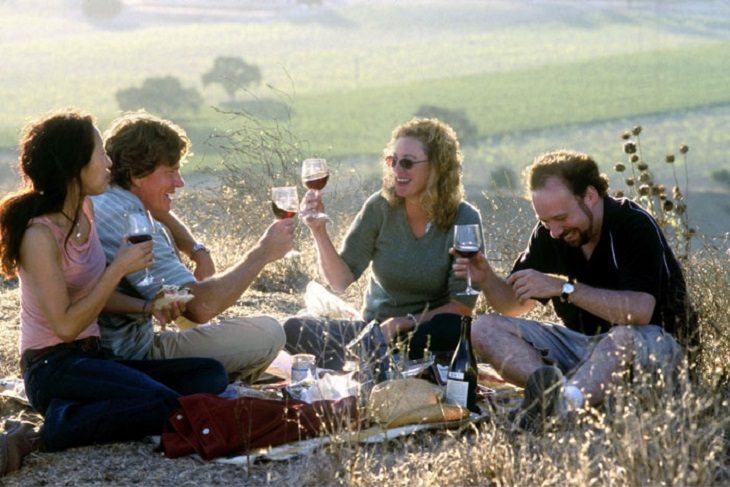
(466, 328)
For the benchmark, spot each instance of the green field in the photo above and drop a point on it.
(523, 100)
(539, 74)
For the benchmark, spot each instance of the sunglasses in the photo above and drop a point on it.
(405, 163)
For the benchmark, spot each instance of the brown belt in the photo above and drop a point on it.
(91, 345)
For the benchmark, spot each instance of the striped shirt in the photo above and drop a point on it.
(129, 336)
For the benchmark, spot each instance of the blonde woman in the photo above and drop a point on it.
(404, 232)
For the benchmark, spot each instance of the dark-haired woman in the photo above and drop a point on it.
(49, 240)
(403, 233)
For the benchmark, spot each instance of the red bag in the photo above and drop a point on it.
(212, 426)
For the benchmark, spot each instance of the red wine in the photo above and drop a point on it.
(135, 239)
(317, 183)
(281, 214)
(467, 251)
(461, 385)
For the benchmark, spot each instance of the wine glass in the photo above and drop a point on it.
(140, 228)
(285, 204)
(467, 241)
(284, 201)
(315, 175)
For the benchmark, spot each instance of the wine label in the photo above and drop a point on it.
(456, 375)
(457, 392)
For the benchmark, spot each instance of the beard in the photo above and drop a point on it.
(584, 236)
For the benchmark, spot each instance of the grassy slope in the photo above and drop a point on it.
(358, 70)
(503, 102)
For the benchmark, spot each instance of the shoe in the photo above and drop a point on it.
(16, 443)
(543, 400)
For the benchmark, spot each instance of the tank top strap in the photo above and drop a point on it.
(58, 232)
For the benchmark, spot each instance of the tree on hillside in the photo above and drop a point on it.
(161, 95)
(465, 129)
(232, 73)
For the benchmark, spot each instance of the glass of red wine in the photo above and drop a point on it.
(315, 175)
(285, 204)
(467, 242)
(140, 228)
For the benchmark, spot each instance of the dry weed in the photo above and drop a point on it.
(639, 439)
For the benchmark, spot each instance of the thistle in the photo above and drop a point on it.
(670, 213)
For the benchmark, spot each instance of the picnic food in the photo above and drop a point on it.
(410, 401)
(170, 293)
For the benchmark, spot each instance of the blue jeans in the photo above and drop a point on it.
(326, 339)
(88, 399)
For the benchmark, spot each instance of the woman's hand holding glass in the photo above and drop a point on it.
(315, 175)
(134, 257)
(311, 206)
(140, 229)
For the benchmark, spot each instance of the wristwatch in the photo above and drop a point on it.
(199, 246)
(568, 288)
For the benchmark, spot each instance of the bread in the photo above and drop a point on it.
(410, 401)
(170, 293)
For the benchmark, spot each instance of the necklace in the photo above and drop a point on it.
(78, 225)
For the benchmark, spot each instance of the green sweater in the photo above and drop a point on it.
(409, 274)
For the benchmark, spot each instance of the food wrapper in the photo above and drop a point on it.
(331, 387)
(170, 293)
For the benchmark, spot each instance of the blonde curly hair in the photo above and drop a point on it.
(444, 190)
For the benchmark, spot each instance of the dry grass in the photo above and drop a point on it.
(676, 440)
(643, 439)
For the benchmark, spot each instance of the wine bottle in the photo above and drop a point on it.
(461, 384)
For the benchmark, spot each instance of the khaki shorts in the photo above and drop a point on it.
(654, 349)
(244, 345)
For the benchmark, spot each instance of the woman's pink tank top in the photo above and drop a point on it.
(82, 265)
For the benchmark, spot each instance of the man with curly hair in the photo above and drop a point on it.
(612, 279)
(147, 153)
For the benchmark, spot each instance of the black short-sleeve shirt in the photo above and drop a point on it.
(632, 255)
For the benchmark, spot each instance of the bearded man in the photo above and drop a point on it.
(613, 282)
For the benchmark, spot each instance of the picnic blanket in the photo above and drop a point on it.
(373, 434)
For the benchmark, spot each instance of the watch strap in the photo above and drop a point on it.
(199, 246)
(568, 289)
